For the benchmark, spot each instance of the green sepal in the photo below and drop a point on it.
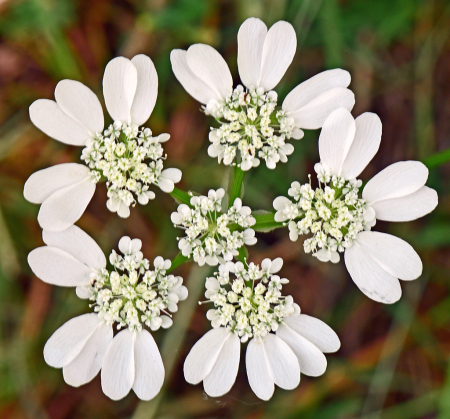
(265, 221)
(179, 260)
(180, 196)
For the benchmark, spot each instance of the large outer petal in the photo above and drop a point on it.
(149, 366)
(313, 114)
(43, 183)
(119, 87)
(57, 267)
(208, 65)
(89, 361)
(69, 340)
(223, 374)
(278, 51)
(283, 363)
(312, 88)
(251, 36)
(397, 180)
(364, 146)
(146, 90)
(81, 104)
(118, 370)
(197, 88)
(336, 139)
(78, 243)
(258, 371)
(311, 359)
(316, 331)
(407, 208)
(370, 277)
(203, 355)
(394, 255)
(53, 121)
(64, 207)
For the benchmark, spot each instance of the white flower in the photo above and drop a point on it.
(212, 236)
(245, 311)
(79, 347)
(132, 361)
(337, 215)
(131, 296)
(130, 89)
(251, 124)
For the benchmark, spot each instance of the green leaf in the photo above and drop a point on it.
(265, 221)
(179, 260)
(181, 197)
(237, 185)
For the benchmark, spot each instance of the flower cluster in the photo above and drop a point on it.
(118, 155)
(213, 236)
(249, 303)
(132, 295)
(334, 214)
(250, 123)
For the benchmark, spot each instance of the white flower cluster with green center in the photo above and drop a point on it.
(213, 236)
(133, 295)
(247, 298)
(334, 213)
(118, 155)
(250, 123)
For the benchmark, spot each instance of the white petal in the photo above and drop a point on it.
(203, 355)
(208, 65)
(312, 88)
(64, 207)
(77, 243)
(407, 208)
(258, 370)
(311, 359)
(277, 264)
(278, 51)
(57, 267)
(166, 185)
(283, 362)
(223, 374)
(41, 184)
(251, 36)
(196, 87)
(398, 179)
(394, 255)
(364, 146)
(69, 340)
(148, 365)
(314, 114)
(89, 361)
(335, 139)
(146, 90)
(118, 370)
(370, 277)
(172, 174)
(316, 331)
(81, 104)
(53, 121)
(119, 88)
(280, 202)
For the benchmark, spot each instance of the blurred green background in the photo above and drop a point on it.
(393, 362)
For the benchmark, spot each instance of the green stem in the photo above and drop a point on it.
(180, 196)
(179, 260)
(236, 187)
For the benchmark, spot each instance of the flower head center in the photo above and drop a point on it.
(130, 160)
(252, 126)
